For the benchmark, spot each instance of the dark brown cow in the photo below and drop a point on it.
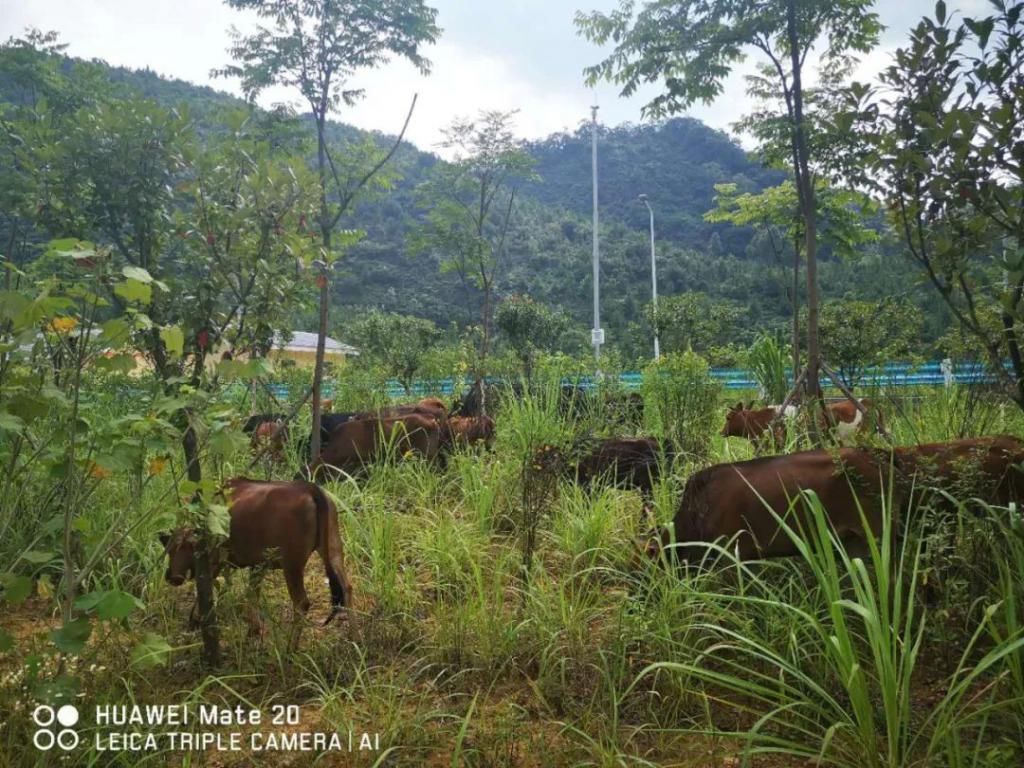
(728, 500)
(273, 525)
(469, 430)
(627, 462)
(362, 441)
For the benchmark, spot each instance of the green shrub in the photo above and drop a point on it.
(766, 359)
(681, 402)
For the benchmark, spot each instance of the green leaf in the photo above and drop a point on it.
(64, 244)
(6, 642)
(173, 339)
(940, 12)
(116, 330)
(218, 520)
(38, 558)
(110, 604)
(152, 651)
(10, 423)
(133, 290)
(124, 363)
(16, 588)
(137, 273)
(71, 638)
(58, 690)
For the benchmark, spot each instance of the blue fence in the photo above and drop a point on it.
(892, 375)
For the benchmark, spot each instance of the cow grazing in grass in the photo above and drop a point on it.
(328, 423)
(362, 441)
(626, 462)
(751, 422)
(273, 525)
(842, 418)
(471, 430)
(727, 500)
(738, 500)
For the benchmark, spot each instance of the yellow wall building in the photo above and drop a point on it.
(301, 348)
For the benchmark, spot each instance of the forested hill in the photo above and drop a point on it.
(676, 164)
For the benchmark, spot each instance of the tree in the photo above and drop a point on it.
(316, 48)
(471, 204)
(776, 212)
(203, 242)
(690, 46)
(529, 328)
(857, 335)
(399, 343)
(942, 142)
(693, 321)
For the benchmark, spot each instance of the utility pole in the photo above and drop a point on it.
(654, 280)
(597, 333)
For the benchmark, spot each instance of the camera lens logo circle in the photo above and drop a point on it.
(45, 738)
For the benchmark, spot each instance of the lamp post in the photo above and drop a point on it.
(597, 334)
(654, 279)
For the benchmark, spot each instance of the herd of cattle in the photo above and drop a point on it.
(280, 524)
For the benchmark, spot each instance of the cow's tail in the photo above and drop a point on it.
(330, 549)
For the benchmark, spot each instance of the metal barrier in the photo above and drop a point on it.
(892, 375)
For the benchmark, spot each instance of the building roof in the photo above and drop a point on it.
(304, 341)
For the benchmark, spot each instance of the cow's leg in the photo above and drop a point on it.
(257, 626)
(293, 572)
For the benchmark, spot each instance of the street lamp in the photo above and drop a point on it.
(654, 279)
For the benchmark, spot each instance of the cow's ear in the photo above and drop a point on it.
(738, 406)
(165, 538)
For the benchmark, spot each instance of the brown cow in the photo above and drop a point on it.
(270, 437)
(273, 525)
(846, 419)
(730, 499)
(362, 441)
(734, 499)
(433, 403)
(751, 422)
(469, 430)
(842, 417)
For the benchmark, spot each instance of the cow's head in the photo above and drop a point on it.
(746, 422)
(650, 545)
(487, 430)
(180, 546)
(735, 421)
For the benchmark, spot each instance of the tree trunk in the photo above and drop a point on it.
(322, 282)
(796, 311)
(318, 370)
(203, 572)
(805, 188)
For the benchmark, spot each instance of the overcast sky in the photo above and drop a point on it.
(493, 54)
